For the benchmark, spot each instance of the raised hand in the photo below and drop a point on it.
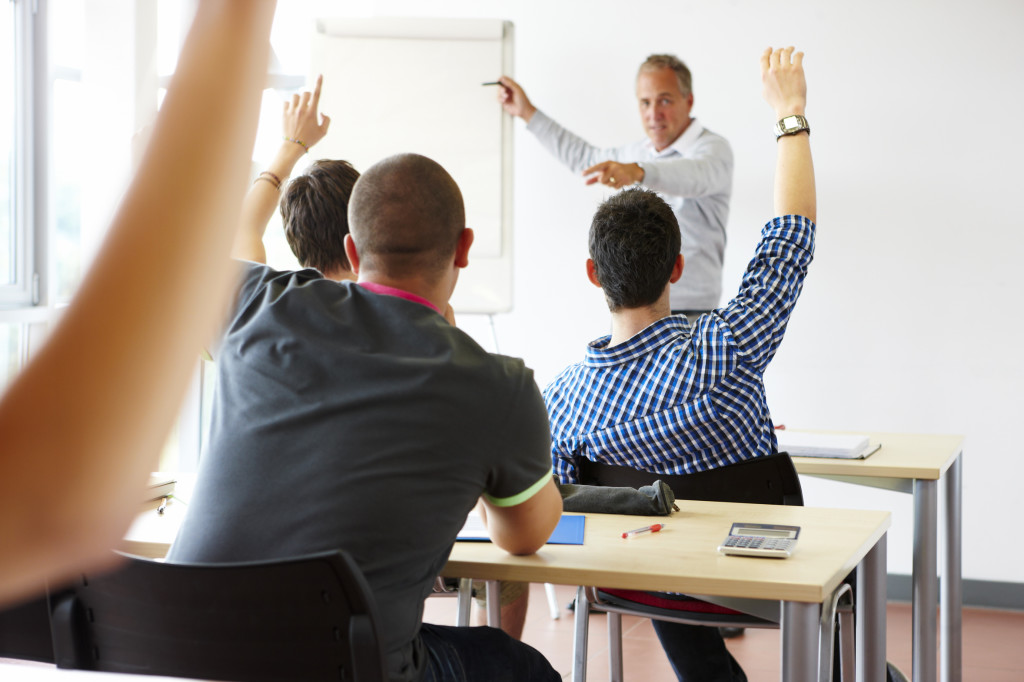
(782, 75)
(301, 123)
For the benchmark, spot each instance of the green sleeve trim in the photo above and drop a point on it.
(521, 497)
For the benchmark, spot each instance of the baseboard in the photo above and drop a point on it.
(981, 593)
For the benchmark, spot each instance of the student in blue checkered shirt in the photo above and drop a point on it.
(668, 395)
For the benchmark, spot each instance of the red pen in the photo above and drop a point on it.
(646, 529)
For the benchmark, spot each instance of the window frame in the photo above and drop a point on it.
(24, 288)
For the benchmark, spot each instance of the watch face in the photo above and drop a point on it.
(791, 122)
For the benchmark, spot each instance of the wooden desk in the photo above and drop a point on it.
(684, 558)
(916, 464)
(151, 534)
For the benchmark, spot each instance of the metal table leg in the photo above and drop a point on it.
(925, 579)
(870, 617)
(493, 603)
(579, 640)
(465, 602)
(952, 586)
(799, 641)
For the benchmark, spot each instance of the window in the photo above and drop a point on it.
(67, 155)
(16, 271)
(7, 104)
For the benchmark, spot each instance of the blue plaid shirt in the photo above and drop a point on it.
(676, 399)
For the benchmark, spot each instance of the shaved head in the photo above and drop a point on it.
(405, 216)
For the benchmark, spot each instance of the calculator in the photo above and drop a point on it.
(760, 539)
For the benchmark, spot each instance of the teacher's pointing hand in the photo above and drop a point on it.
(614, 174)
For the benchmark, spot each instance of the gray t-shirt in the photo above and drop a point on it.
(350, 419)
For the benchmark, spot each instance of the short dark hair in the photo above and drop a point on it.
(314, 209)
(634, 241)
(406, 215)
(669, 61)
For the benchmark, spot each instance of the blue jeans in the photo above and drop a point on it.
(697, 653)
(466, 654)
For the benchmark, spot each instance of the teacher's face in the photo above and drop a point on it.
(664, 110)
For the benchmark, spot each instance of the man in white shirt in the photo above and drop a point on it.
(687, 164)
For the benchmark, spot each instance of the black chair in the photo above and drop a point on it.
(307, 618)
(762, 480)
(25, 631)
(770, 479)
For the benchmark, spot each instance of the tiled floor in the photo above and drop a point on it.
(993, 650)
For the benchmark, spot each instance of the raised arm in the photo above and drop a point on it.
(302, 128)
(84, 422)
(785, 90)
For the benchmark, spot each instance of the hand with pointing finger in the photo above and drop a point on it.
(614, 174)
(300, 122)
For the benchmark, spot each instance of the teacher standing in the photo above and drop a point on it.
(687, 164)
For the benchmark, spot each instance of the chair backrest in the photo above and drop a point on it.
(307, 618)
(771, 479)
(25, 631)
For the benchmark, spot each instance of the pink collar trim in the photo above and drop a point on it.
(398, 293)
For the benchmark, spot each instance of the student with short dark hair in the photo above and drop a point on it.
(662, 395)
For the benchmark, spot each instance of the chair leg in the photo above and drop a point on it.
(827, 632)
(847, 628)
(615, 647)
(549, 590)
(579, 641)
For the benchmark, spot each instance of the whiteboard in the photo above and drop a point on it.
(395, 85)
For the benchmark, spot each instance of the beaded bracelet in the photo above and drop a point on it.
(298, 142)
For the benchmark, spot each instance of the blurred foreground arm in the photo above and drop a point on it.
(785, 90)
(84, 422)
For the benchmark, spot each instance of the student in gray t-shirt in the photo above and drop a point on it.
(354, 415)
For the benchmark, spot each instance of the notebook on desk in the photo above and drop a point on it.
(569, 530)
(834, 445)
(160, 486)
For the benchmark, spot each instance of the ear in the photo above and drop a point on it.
(351, 253)
(592, 273)
(677, 270)
(462, 248)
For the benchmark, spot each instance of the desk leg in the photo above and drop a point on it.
(925, 579)
(465, 602)
(952, 587)
(800, 629)
(493, 604)
(579, 640)
(870, 618)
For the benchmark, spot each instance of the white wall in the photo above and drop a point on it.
(911, 314)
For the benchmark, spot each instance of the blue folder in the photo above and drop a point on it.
(569, 531)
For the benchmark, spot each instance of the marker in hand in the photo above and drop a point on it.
(646, 529)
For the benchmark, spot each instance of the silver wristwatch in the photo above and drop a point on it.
(791, 125)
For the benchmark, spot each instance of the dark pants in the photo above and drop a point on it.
(464, 654)
(697, 653)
